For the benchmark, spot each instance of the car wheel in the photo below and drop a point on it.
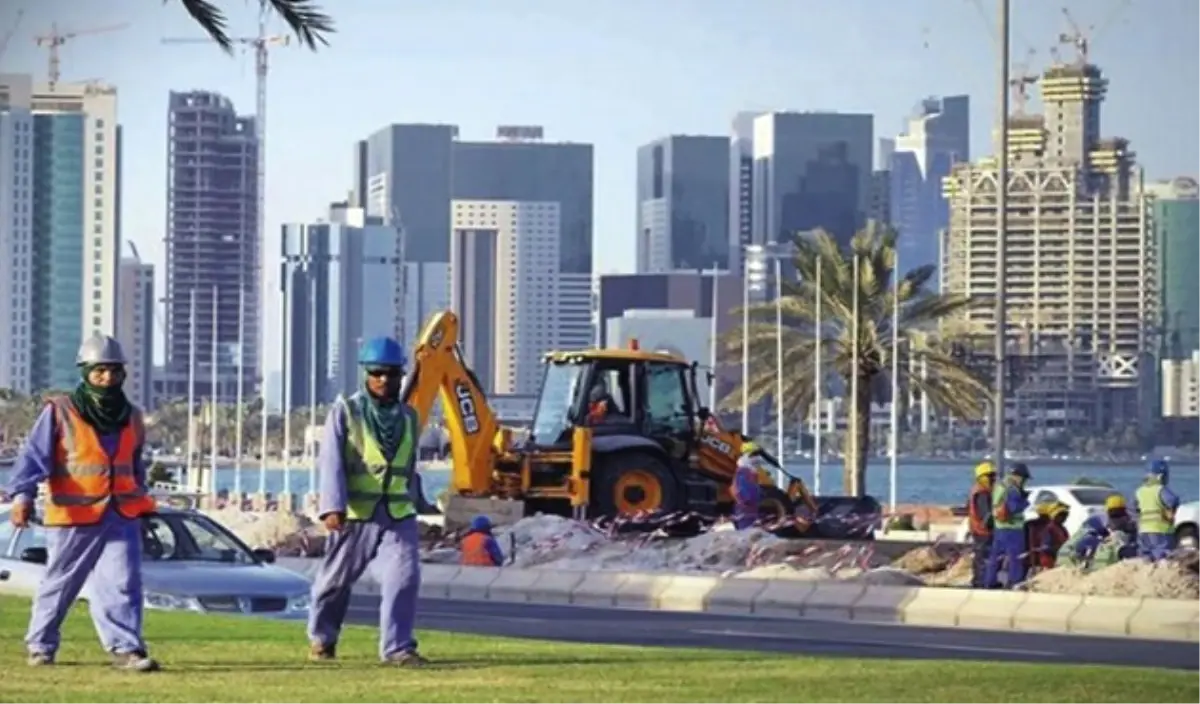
(1185, 537)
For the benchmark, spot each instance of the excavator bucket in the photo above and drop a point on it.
(460, 510)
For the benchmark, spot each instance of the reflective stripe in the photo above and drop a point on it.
(999, 499)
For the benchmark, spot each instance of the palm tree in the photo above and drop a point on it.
(304, 17)
(945, 381)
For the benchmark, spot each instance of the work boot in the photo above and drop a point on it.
(320, 652)
(406, 658)
(40, 659)
(135, 661)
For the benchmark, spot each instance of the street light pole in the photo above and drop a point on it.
(1001, 237)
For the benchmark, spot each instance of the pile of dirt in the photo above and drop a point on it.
(1169, 579)
(287, 534)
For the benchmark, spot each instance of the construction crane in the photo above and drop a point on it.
(1020, 81)
(261, 44)
(55, 39)
(1081, 39)
(11, 31)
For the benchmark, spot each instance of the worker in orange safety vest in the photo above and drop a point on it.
(979, 521)
(479, 547)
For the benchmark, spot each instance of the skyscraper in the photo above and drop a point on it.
(58, 226)
(135, 328)
(402, 177)
(937, 137)
(683, 204)
(741, 187)
(1177, 238)
(212, 237)
(16, 232)
(811, 170)
(338, 289)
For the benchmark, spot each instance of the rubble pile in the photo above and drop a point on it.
(288, 534)
(1169, 579)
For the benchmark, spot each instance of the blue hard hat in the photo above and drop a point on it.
(481, 524)
(1160, 466)
(382, 351)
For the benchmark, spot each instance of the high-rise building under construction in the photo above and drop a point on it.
(213, 242)
(1080, 262)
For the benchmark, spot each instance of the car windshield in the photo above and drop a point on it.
(1092, 496)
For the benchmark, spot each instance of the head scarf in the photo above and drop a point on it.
(386, 419)
(104, 408)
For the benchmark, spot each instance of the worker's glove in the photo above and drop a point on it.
(334, 521)
(21, 514)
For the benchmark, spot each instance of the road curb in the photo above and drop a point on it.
(833, 601)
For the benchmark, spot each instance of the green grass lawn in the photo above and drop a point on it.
(210, 659)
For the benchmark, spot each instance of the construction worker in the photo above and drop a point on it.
(745, 486)
(1086, 546)
(366, 465)
(1009, 501)
(479, 546)
(600, 403)
(1047, 534)
(979, 521)
(87, 447)
(1156, 505)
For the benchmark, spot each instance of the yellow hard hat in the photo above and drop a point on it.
(749, 446)
(983, 469)
(1058, 508)
(1116, 502)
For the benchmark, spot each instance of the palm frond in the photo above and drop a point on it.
(304, 17)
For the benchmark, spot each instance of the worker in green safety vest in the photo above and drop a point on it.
(367, 483)
(1155, 507)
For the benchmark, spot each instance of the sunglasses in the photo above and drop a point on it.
(385, 372)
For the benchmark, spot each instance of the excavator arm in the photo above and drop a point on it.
(439, 371)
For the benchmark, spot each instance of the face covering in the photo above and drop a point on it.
(104, 408)
(385, 419)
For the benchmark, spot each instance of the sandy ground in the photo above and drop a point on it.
(551, 542)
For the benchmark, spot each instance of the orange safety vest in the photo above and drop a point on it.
(978, 523)
(1037, 535)
(475, 552)
(84, 478)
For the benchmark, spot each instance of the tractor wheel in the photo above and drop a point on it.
(773, 505)
(627, 483)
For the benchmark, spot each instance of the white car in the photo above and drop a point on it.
(1186, 524)
(190, 563)
(1085, 501)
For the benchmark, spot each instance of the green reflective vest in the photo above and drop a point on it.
(370, 477)
(1152, 514)
(999, 494)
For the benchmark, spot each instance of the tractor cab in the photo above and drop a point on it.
(617, 393)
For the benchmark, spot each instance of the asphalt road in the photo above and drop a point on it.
(799, 637)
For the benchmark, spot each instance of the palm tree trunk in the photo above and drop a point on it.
(857, 444)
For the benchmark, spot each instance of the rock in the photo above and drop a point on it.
(923, 560)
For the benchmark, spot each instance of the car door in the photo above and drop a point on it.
(24, 576)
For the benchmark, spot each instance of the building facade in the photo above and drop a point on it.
(16, 233)
(212, 241)
(508, 293)
(1177, 236)
(741, 187)
(683, 204)
(811, 170)
(338, 288)
(135, 328)
(1081, 268)
(938, 135)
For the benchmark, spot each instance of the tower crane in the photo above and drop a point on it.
(1020, 81)
(55, 39)
(11, 31)
(1080, 38)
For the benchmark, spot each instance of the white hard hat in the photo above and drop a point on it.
(100, 349)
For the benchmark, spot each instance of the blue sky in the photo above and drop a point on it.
(616, 73)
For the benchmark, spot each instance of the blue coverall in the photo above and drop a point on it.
(351, 550)
(1155, 545)
(102, 561)
(745, 493)
(1009, 543)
